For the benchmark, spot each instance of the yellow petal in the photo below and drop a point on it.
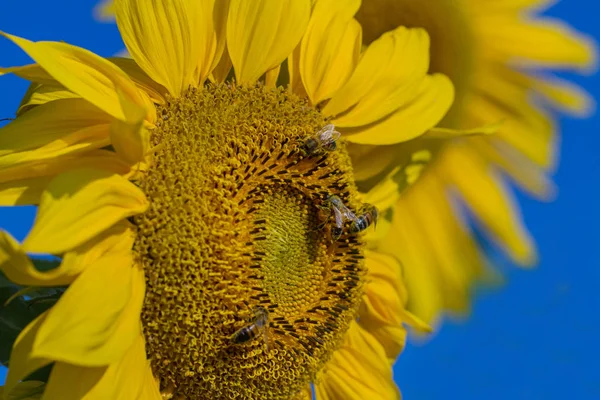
(526, 129)
(51, 130)
(565, 95)
(386, 78)
(385, 194)
(161, 37)
(22, 361)
(382, 312)
(156, 92)
(122, 380)
(330, 48)
(446, 133)
(78, 205)
(433, 99)
(536, 43)
(105, 10)
(27, 390)
(130, 139)
(295, 79)
(17, 266)
(436, 282)
(25, 184)
(358, 370)
(212, 36)
(521, 170)
(125, 379)
(262, 33)
(97, 80)
(150, 390)
(97, 319)
(72, 382)
(38, 94)
(484, 193)
(222, 69)
(31, 72)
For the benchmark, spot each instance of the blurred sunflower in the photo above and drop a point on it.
(495, 52)
(192, 212)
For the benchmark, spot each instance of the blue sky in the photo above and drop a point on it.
(535, 337)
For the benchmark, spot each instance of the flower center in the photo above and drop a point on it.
(248, 294)
(445, 22)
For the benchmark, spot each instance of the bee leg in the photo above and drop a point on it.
(336, 232)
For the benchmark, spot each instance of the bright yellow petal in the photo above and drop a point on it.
(358, 370)
(97, 80)
(382, 310)
(161, 37)
(72, 382)
(212, 37)
(17, 266)
(156, 92)
(54, 129)
(122, 380)
(97, 319)
(125, 379)
(485, 193)
(38, 94)
(431, 102)
(22, 361)
(386, 78)
(330, 48)
(262, 33)
(150, 390)
(25, 184)
(31, 72)
(78, 205)
(130, 139)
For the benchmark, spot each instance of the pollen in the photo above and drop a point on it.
(239, 226)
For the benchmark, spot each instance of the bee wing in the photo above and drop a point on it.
(326, 129)
(349, 215)
(335, 135)
(339, 218)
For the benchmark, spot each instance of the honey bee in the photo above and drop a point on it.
(324, 140)
(368, 216)
(250, 331)
(341, 214)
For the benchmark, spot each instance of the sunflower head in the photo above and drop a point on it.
(208, 184)
(236, 224)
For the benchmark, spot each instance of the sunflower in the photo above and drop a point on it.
(498, 55)
(205, 220)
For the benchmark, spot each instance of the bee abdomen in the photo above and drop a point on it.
(360, 224)
(243, 335)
